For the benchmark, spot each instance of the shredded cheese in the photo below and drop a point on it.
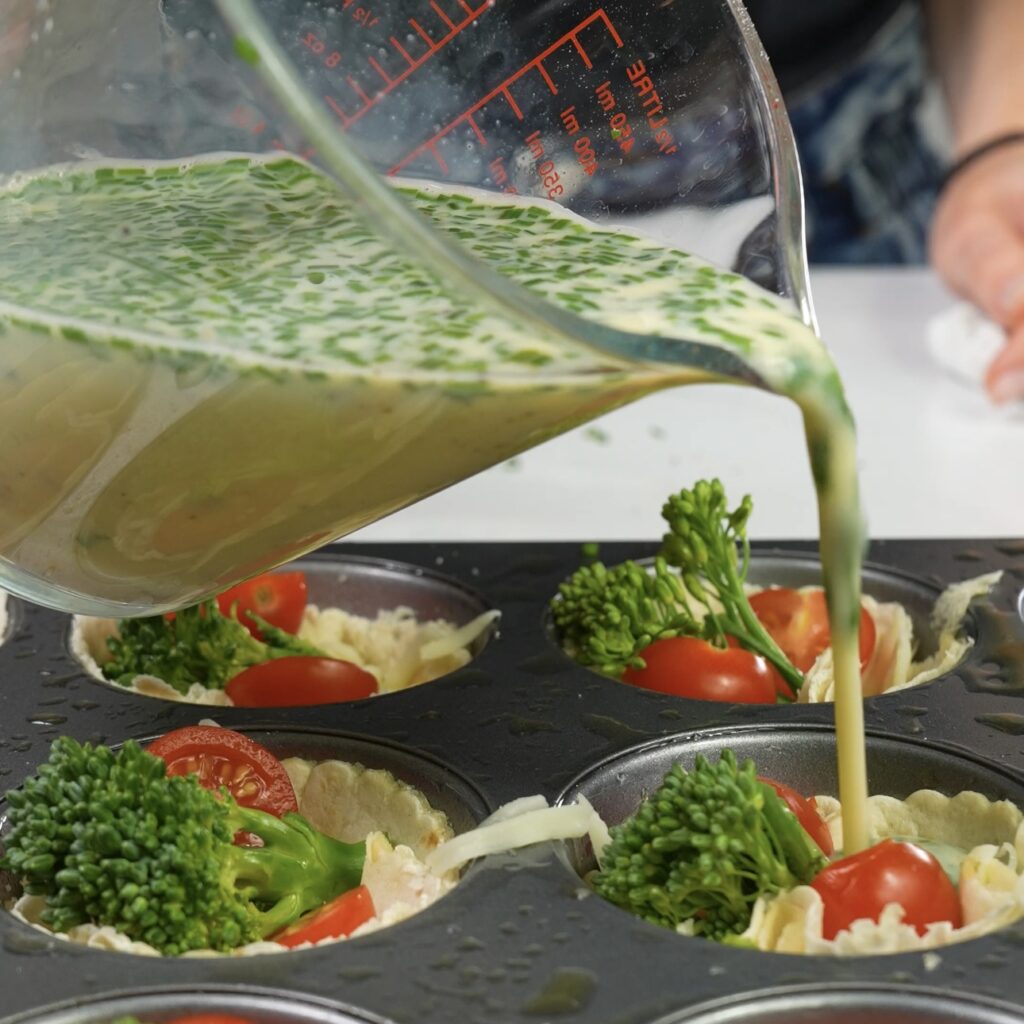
(521, 823)
(892, 666)
(397, 649)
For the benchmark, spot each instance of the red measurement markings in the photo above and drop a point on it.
(499, 175)
(380, 71)
(312, 42)
(476, 131)
(547, 172)
(582, 53)
(444, 17)
(358, 90)
(504, 89)
(348, 117)
(251, 120)
(417, 27)
(653, 109)
(402, 50)
(512, 103)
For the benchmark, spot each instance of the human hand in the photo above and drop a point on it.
(15, 26)
(977, 246)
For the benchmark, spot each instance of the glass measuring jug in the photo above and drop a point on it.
(211, 364)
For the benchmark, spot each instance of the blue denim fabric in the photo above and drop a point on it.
(871, 175)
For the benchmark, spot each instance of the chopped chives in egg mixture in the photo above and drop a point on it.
(209, 367)
(267, 257)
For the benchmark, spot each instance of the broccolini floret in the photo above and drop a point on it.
(704, 847)
(605, 617)
(199, 645)
(108, 837)
(708, 544)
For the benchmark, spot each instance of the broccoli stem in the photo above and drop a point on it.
(296, 869)
(702, 542)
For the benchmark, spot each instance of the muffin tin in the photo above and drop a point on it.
(521, 938)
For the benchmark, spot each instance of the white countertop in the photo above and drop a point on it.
(936, 459)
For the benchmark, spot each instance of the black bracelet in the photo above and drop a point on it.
(973, 155)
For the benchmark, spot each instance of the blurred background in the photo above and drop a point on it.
(868, 87)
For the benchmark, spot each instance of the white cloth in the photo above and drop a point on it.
(963, 341)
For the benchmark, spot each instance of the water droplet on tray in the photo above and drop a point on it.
(567, 990)
(612, 729)
(19, 942)
(1007, 722)
(358, 973)
(969, 555)
(47, 720)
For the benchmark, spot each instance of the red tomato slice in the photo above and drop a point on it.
(782, 688)
(342, 916)
(687, 667)
(222, 757)
(806, 813)
(278, 597)
(298, 680)
(859, 886)
(798, 622)
(210, 1018)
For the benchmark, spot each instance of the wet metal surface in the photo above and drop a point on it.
(521, 939)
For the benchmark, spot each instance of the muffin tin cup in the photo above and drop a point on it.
(360, 586)
(521, 937)
(803, 757)
(848, 1005)
(444, 789)
(160, 1006)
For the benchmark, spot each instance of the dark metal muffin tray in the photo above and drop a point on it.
(521, 938)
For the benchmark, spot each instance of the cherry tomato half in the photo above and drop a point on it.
(806, 813)
(298, 680)
(798, 622)
(859, 886)
(222, 757)
(687, 667)
(278, 597)
(342, 916)
(210, 1018)
(782, 688)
